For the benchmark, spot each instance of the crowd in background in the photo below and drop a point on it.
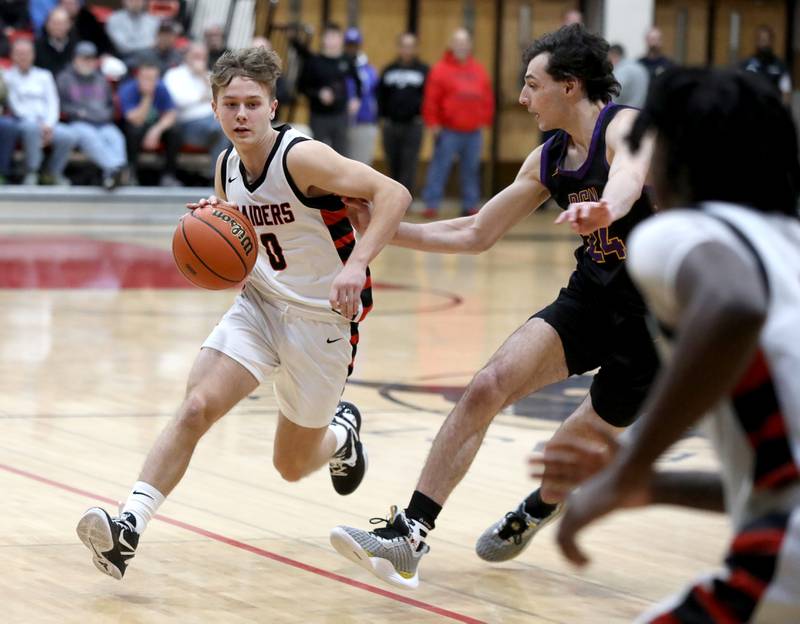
(132, 82)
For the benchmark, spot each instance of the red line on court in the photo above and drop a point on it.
(458, 617)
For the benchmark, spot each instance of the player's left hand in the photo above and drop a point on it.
(586, 217)
(346, 290)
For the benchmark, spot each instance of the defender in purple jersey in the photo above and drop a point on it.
(598, 320)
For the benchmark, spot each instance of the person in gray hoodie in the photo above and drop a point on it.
(88, 108)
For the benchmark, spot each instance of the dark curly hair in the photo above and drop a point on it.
(577, 53)
(725, 136)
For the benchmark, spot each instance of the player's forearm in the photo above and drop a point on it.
(694, 489)
(448, 236)
(622, 190)
(716, 340)
(390, 204)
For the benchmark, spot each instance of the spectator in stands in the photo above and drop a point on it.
(767, 64)
(87, 107)
(55, 46)
(214, 37)
(572, 16)
(34, 103)
(38, 10)
(632, 77)
(400, 106)
(86, 27)
(9, 133)
(363, 131)
(282, 93)
(14, 15)
(458, 102)
(150, 117)
(190, 89)
(654, 61)
(132, 30)
(164, 52)
(323, 81)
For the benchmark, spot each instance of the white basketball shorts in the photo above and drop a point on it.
(307, 354)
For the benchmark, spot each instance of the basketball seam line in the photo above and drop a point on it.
(222, 235)
(189, 245)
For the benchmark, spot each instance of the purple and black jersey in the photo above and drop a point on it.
(601, 257)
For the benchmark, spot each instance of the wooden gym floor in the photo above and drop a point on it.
(97, 334)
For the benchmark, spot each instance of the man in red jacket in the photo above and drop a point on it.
(458, 102)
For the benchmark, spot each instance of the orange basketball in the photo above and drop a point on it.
(215, 247)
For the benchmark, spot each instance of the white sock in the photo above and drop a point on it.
(143, 502)
(340, 431)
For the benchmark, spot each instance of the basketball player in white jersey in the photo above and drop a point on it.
(297, 316)
(721, 272)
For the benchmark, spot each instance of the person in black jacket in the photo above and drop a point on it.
(86, 27)
(55, 46)
(399, 105)
(324, 81)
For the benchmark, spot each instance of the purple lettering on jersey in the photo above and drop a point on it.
(276, 214)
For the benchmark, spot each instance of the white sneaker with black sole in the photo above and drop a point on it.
(392, 553)
(112, 541)
(349, 464)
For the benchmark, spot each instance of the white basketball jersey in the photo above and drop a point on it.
(756, 430)
(303, 241)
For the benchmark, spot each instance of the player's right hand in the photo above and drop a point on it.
(212, 200)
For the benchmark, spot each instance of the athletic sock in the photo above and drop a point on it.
(423, 509)
(143, 502)
(340, 431)
(536, 507)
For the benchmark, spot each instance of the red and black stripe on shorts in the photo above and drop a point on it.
(751, 564)
(756, 406)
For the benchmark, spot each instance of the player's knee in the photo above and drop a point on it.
(195, 415)
(486, 390)
(289, 469)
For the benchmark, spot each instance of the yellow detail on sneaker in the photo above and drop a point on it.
(406, 575)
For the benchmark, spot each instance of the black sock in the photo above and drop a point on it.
(423, 509)
(536, 507)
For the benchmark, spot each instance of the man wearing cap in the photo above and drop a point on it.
(164, 53)
(363, 130)
(87, 107)
(324, 81)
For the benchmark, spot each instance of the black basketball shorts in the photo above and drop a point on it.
(599, 329)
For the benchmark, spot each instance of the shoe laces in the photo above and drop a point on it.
(391, 531)
(514, 525)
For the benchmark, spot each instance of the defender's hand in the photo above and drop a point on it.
(358, 211)
(346, 290)
(213, 200)
(587, 217)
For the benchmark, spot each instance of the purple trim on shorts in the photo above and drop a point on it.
(581, 171)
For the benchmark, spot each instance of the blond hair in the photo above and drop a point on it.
(257, 64)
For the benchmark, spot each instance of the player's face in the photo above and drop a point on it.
(245, 109)
(544, 97)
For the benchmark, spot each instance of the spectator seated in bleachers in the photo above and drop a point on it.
(132, 30)
(34, 103)
(190, 89)
(9, 133)
(14, 16)
(214, 37)
(56, 45)
(150, 117)
(88, 109)
(165, 51)
(86, 27)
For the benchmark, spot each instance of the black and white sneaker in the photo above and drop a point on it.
(391, 553)
(349, 464)
(510, 535)
(113, 541)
